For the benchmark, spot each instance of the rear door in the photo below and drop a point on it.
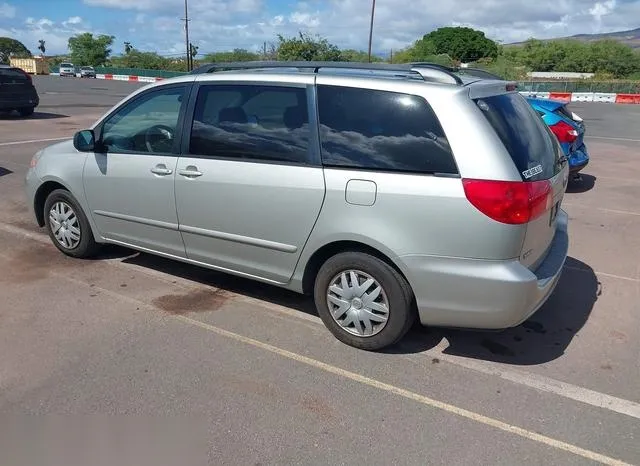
(249, 184)
(536, 153)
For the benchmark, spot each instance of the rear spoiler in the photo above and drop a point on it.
(486, 88)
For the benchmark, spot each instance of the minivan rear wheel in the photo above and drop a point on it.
(363, 301)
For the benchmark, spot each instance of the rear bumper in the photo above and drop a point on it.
(21, 101)
(578, 159)
(482, 294)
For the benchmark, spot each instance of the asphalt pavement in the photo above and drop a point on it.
(255, 378)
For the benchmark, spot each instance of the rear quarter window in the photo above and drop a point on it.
(531, 145)
(381, 130)
(13, 73)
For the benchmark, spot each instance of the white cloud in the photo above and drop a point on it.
(7, 11)
(226, 24)
(55, 34)
(308, 20)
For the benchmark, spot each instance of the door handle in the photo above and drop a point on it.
(162, 170)
(190, 172)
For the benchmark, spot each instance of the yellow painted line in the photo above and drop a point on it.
(527, 434)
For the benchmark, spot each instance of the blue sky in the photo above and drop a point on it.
(154, 25)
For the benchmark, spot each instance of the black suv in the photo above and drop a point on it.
(17, 91)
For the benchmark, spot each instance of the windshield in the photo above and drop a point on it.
(87, 68)
(66, 65)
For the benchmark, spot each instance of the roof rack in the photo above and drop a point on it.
(428, 71)
(473, 72)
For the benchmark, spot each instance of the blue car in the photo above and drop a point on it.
(568, 128)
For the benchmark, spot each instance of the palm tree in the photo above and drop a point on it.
(128, 48)
(41, 47)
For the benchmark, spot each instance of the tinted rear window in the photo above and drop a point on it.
(381, 130)
(530, 143)
(13, 74)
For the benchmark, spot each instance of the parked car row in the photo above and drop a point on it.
(68, 69)
(388, 193)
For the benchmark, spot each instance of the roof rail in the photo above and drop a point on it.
(426, 71)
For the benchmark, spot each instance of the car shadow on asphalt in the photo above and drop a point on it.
(34, 116)
(543, 338)
(584, 184)
(239, 285)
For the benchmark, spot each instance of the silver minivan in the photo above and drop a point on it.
(387, 192)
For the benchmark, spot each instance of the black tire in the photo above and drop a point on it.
(26, 111)
(402, 310)
(87, 246)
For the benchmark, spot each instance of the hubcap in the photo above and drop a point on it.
(358, 303)
(64, 225)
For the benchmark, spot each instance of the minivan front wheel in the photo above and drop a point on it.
(363, 301)
(68, 226)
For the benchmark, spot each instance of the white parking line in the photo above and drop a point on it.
(527, 379)
(602, 209)
(612, 139)
(377, 384)
(31, 141)
(398, 391)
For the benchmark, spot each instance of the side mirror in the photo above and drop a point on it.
(84, 141)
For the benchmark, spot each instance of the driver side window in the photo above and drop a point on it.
(146, 124)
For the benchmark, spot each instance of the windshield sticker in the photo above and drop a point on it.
(532, 171)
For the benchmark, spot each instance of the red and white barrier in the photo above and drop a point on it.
(586, 97)
(128, 77)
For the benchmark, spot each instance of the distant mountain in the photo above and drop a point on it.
(631, 38)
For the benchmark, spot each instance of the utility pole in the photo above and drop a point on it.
(264, 50)
(186, 35)
(373, 11)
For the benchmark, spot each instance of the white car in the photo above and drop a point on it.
(67, 69)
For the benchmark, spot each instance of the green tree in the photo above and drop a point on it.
(12, 48)
(128, 48)
(141, 60)
(234, 55)
(461, 43)
(358, 56)
(609, 56)
(307, 48)
(42, 46)
(89, 50)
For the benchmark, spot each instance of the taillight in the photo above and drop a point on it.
(511, 202)
(564, 132)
